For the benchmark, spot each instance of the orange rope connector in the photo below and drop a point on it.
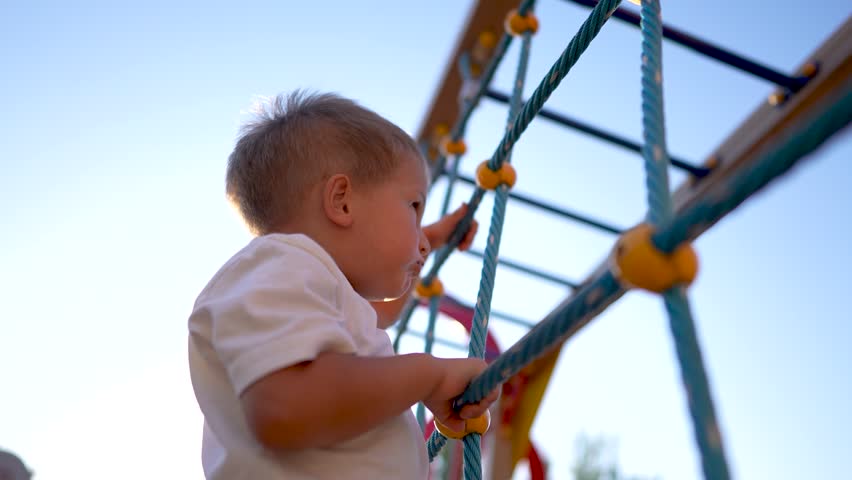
(636, 262)
(441, 130)
(434, 289)
(482, 49)
(489, 179)
(478, 425)
(487, 39)
(450, 147)
(517, 24)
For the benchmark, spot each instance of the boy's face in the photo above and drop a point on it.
(387, 221)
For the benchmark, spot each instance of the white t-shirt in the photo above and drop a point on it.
(280, 301)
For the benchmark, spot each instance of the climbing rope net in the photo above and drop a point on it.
(655, 256)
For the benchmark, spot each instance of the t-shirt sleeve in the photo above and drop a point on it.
(273, 311)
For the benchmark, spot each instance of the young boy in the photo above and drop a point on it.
(291, 367)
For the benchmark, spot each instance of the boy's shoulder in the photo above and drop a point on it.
(274, 254)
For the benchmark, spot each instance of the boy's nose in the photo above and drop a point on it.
(425, 247)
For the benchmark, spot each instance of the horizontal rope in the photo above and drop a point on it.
(807, 138)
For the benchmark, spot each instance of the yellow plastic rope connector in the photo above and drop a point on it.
(434, 289)
(487, 39)
(478, 425)
(450, 147)
(441, 130)
(517, 24)
(489, 179)
(636, 262)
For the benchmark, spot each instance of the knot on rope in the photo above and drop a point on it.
(478, 425)
(517, 24)
(452, 147)
(488, 179)
(434, 289)
(637, 262)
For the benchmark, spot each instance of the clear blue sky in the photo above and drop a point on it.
(117, 123)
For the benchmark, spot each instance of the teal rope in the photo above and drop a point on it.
(470, 104)
(544, 336)
(654, 150)
(696, 385)
(780, 159)
(479, 327)
(457, 133)
(404, 319)
(434, 445)
(434, 303)
(660, 211)
(603, 288)
(472, 457)
(590, 28)
(588, 31)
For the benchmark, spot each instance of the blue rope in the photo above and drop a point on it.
(796, 144)
(457, 133)
(434, 445)
(470, 104)
(404, 319)
(660, 212)
(654, 150)
(434, 304)
(697, 387)
(479, 327)
(602, 289)
(590, 28)
(547, 334)
(472, 457)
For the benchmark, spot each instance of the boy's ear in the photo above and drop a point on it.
(337, 199)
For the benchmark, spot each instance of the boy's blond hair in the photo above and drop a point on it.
(301, 139)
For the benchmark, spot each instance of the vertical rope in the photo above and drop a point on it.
(660, 213)
(518, 122)
(404, 318)
(434, 303)
(701, 410)
(434, 445)
(479, 329)
(472, 457)
(654, 150)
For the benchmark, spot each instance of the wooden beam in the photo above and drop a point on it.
(768, 124)
(483, 16)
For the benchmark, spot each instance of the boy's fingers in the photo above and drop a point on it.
(472, 411)
(469, 236)
(493, 396)
(453, 423)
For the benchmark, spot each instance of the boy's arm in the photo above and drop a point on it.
(339, 396)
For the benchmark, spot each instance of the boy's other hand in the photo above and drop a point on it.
(458, 373)
(439, 232)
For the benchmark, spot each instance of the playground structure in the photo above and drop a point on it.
(807, 108)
